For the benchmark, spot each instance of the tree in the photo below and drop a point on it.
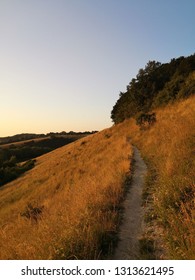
(154, 85)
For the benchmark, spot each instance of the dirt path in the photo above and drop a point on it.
(132, 224)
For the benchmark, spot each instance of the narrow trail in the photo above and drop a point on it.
(132, 223)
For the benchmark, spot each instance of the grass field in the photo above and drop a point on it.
(66, 206)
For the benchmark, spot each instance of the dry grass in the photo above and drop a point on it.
(79, 188)
(168, 147)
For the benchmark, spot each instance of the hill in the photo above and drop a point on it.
(18, 157)
(68, 206)
(25, 137)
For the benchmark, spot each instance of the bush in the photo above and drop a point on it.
(145, 120)
(32, 213)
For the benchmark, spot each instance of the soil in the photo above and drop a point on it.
(132, 225)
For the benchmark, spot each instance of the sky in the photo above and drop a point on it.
(63, 63)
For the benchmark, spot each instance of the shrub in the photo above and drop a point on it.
(32, 213)
(145, 120)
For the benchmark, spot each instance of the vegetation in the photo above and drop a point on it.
(33, 136)
(20, 137)
(67, 206)
(168, 149)
(12, 155)
(10, 170)
(145, 120)
(154, 86)
(166, 140)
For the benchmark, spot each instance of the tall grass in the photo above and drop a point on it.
(168, 147)
(77, 190)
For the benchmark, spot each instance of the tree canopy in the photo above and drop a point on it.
(154, 86)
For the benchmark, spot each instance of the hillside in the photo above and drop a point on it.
(68, 205)
(168, 150)
(18, 157)
(25, 137)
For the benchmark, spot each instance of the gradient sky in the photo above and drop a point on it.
(64, 62)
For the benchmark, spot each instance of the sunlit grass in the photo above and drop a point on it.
(168, 147)
(79, 187)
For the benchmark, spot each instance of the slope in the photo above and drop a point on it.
(66, 206)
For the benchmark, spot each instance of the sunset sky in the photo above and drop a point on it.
(64, 62)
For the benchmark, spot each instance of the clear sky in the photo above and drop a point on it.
(64, 62)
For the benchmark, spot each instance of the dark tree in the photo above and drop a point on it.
(156, 85)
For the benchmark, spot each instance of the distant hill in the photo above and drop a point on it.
(13, 154)
(20, 137)
(30, 136)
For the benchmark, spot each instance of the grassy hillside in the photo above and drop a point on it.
(169, 150)
(18, 157)
(66, 206)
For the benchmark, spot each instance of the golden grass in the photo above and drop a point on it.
(80, 186)
(168, 147)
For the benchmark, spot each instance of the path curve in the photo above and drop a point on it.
(132, 223)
